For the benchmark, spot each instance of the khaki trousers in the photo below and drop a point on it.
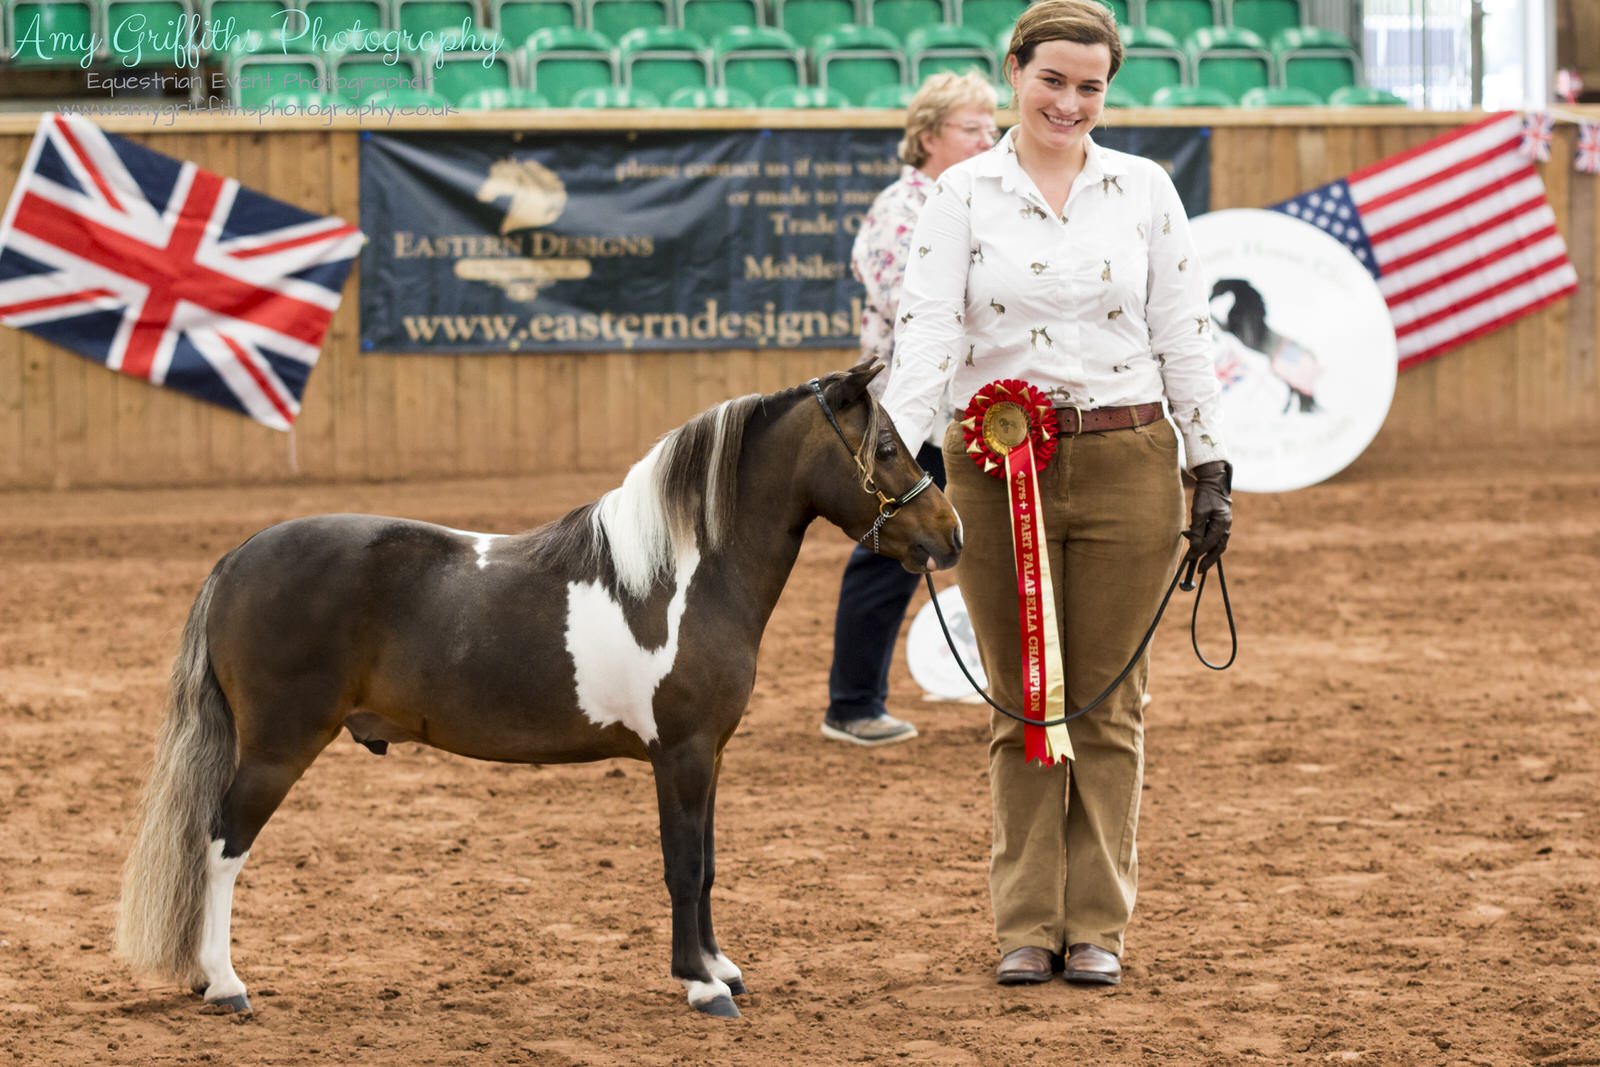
(1064, 866)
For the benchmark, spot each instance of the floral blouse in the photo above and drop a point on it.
(878, 261)
(1102, 306)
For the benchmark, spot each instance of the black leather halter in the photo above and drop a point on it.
(887, 505)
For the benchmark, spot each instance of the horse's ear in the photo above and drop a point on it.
(850, 387)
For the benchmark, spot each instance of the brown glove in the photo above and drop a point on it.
(1210, 513)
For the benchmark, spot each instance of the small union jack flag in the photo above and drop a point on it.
(167, 272)
(1588, 159)
(1537, 129)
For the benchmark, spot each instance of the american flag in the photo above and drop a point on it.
(170, 273)
(1588, 159)
(1457, 231)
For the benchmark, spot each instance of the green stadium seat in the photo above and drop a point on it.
(900, 17)
(1119, 11)
(50, 22)
(1233, 61)
(710, 17)
(517, 20)
(660, 61)
(1151, 59)
(804, 19)
(303, 99)
(1265, 18)
(366, 74)
(1182, 17)
(1316, 59)
(560, 60)
(757, 59)
(255, 78)
(267, 19)
(443, 18)
(990, 17)
(613, 96)
(858, 59)
(810, 97)
(891, 96)
(1280, 96)
(1363, 96)
(615, 18)
(702, 98)
(501, 100)
(1117, 96)
(131, 48)
(403, 97)
(1189, 96)
(341, 15)
(454, 74)
(932, 49)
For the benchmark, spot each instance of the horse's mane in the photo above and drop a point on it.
(679, 496)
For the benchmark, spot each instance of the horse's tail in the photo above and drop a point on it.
(164, 882)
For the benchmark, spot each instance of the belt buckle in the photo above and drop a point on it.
(1079, 412)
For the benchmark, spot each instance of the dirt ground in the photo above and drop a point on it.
(1374, 840)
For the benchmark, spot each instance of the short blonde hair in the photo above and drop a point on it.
(1078, 21)
(941, 94)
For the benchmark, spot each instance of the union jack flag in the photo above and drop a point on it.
(1588, 159)
(1537, 129)
(168, 272)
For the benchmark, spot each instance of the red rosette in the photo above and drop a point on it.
(1003, 414)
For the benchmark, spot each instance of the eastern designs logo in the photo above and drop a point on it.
(536, 197)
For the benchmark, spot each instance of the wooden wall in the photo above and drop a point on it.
(67, 422)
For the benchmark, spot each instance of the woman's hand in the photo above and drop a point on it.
(1210, 513)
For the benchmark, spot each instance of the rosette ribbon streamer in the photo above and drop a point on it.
(1010, 432)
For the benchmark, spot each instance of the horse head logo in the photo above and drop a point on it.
(537, 196)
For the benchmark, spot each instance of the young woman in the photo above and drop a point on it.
(1052, 260)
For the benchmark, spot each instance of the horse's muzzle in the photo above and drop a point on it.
(931, 553)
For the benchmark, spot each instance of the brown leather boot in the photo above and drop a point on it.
(1091, 965)
(1028, 965)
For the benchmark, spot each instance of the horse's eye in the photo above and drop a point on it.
(885, 446)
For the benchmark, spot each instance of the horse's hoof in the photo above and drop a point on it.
(721, 1007)
(238, 1004)
(736, 987)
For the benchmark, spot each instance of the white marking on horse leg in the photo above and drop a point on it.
(722, 968)
(701, 992)
(616, 677)
(215, 959)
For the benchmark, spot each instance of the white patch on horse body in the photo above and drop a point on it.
(215, 959)
(481, 542)
(701, 992)
(722, 968)
(616, 677)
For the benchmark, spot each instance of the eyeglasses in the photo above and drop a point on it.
(974, 129)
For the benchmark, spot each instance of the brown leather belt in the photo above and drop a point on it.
(1072, 421)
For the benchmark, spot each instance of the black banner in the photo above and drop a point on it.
(662, 240)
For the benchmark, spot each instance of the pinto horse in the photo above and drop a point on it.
(628, 628)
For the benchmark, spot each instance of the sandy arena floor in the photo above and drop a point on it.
(1375, 840)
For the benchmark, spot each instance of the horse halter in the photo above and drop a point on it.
(887, 505)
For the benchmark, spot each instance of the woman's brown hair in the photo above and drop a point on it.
(1079, 21)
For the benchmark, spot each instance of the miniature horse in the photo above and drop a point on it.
(628, 628)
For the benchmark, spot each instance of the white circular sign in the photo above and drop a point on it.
(1304, 347)
(928, 654)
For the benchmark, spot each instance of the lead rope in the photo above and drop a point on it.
(1181, 579)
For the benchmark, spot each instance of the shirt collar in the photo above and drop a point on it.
(1001, 162)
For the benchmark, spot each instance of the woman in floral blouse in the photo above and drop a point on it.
(950, 119)
(1055, 261)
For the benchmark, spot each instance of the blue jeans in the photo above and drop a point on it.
(873, 597)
